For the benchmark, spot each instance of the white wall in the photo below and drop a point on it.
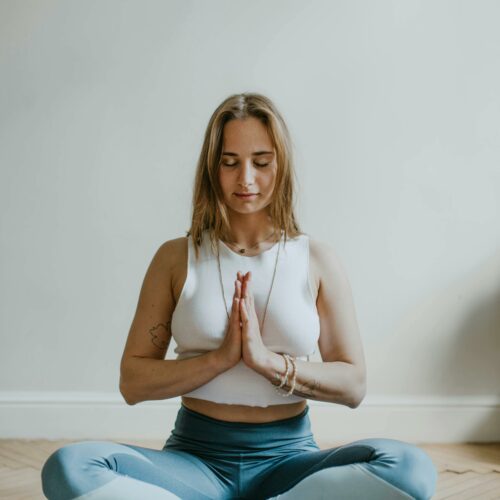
(394, 109)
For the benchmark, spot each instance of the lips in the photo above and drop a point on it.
(246, 195)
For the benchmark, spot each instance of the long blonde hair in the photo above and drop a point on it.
(209, 211)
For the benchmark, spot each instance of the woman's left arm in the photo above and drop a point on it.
(341, 376)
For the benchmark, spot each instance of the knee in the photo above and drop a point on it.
(405, 465)
(421, 471)
(418, 473)
(59, 470)
(54, 471)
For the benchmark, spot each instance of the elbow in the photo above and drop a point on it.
(356, 401)
(125, 392)
(358, 394)
(127, 377)
(126, 396)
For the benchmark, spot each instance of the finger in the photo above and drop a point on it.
(235, 309)
(243, 312)
(247, 284)
(242, 285)
(236, 301)
(237, 286)
(248, 289)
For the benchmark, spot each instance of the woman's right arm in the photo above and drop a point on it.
(144, 373)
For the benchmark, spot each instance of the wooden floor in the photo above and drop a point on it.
(466, 471)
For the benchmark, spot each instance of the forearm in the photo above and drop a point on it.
(145, 379)
(332, 381)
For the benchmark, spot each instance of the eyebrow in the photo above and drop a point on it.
(257, 153)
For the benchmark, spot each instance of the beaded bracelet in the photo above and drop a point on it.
(294, 376)
(284, 380)
(278, 375)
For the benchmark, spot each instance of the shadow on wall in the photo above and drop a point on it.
(452, 341)
(471, 358)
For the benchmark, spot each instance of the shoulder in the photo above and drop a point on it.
(325, 258)
(320, 251)
(172, 255)
(173, 252)
(174, 245)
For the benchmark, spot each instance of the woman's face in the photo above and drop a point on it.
(248, 165)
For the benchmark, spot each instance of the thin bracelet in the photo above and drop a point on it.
(293, 377)
(278, 375)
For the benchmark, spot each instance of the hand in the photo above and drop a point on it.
(230, 349)
(254, 352)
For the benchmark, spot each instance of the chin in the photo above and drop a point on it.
(247, 208)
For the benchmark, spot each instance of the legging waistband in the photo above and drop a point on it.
(240, 425)
(194, 431)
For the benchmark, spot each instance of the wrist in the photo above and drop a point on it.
(219, 361)
(274, 363)
(287, 381)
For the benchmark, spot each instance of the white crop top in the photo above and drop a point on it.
(199, 321)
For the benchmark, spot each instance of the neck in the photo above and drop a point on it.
(247, 230)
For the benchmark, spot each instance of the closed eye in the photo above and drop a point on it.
(258, 164)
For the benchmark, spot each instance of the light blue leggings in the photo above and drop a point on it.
(206, 458)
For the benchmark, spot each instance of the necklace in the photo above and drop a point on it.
(244, 250)
(270, 289)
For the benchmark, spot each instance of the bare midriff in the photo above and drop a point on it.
(244, 413)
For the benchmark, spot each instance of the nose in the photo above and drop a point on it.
(246, 174)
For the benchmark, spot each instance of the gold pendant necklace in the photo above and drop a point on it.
(244, 250)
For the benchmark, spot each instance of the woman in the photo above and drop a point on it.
(242, 367)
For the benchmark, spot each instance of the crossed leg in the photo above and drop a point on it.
(375, 469)
(105, 470)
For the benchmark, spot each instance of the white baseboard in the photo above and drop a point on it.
(64, 415)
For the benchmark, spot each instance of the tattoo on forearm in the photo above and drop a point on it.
(310, 390)
(160, 335)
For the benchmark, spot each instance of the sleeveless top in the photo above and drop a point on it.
(199, 321)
